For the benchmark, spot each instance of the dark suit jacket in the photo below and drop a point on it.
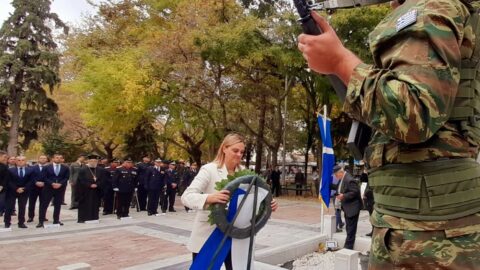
(156, 180)
(4, 177)
(351, 203)
(61, 178)
(16, 181)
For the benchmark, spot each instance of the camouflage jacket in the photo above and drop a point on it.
(407, 94)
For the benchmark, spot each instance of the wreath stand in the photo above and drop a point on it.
(219, 213)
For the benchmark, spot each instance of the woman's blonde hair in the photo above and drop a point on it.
(229, 140)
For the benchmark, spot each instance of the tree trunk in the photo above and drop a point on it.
(248, 155)
(261, 130)
(274, 157)
(196, 154)
(12, 147)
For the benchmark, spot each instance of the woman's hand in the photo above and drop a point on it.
(274, 205)
(222, 196)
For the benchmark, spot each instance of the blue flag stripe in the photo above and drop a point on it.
(328, 159)
(205, 256)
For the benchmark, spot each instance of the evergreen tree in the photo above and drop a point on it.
(141, 141)
(29, 61)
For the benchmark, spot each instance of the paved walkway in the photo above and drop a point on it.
(143, 242)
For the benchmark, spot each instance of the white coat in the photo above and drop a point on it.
(195, 196)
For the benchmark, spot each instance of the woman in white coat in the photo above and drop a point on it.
(201, 192)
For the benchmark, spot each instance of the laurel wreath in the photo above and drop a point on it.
(223, 183)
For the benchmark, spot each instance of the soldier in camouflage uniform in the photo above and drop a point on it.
(425, 180)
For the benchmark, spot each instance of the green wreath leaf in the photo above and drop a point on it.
(222, 184)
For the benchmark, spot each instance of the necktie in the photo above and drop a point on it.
(40, 167)
(22, 174)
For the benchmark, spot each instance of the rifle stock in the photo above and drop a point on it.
(360, 133)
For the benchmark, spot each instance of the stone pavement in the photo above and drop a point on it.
(147, 242)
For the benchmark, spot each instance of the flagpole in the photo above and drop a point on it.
(322, 211)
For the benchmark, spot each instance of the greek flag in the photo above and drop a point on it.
(238, 248)
(328, 160)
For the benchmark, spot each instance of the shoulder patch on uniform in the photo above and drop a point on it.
(407, 19)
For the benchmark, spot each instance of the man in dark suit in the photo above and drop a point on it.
(299, 181)
(38, 182)
(4, 179)
(157, 185)
(18, 189)
(348, 193)
(56, 179)
(142, 192)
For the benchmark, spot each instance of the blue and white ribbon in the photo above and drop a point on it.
(237, 247)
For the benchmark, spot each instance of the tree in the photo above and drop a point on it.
(29, 60)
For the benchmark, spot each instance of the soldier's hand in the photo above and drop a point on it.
(116, 189)
(93, 186)
(39, 184)
(1, 188)
(325, 53)
(222, 196)
(174, 185)
(20, 190)
(340, 197)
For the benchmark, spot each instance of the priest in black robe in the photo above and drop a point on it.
(91, 179)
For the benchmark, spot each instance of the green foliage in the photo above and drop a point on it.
(224, 182)
(55, 143)
(29, 60)
(142, 141)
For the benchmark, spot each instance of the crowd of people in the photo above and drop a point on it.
(94, 182)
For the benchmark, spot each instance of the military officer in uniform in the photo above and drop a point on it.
(157, 186)
(108, 193)
(124, 184)
(142, 192)
(423, 174)
(172, 184)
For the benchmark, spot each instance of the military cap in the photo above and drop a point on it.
(172, 162)
(115, 160)
(158, 160)
(337, 168)
(128, 159)
(93, 156)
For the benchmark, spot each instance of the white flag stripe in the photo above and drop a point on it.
(327, 150)
(240, 246)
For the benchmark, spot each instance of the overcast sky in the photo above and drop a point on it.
(70, 11)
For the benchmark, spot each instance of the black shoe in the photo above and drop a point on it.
(7, 225)
(172, 210)
(119, 217)
(46, 219)
(72, 208)
(23, 226)
(150, 214)
(30, 220)
(64, 203)
(40, 225)
(58, 222)
(369, 234)
(339, 230)
(106, 213)
(14, 213)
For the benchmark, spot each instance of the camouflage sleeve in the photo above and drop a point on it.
(409, 91)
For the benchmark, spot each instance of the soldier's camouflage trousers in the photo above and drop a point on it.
(403, 249)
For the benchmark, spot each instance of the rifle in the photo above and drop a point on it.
(359, 133)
